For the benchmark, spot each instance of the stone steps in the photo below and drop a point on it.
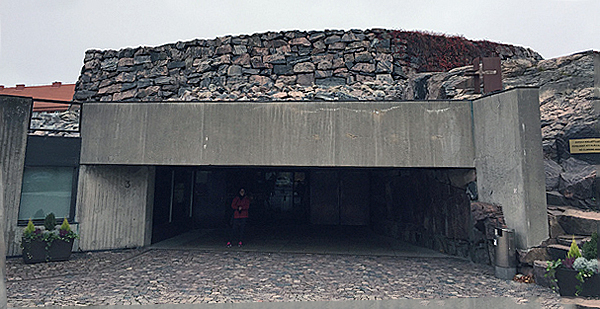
(566, 224)
(573, 221)
(557, 251)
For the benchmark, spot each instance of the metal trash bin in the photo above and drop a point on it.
(506, 254)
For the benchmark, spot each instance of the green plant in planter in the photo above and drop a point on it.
(65, 232)
(50, 222)
(551, 270)
(590, 248)
(586, 264)
(574, 251)
(49, 237)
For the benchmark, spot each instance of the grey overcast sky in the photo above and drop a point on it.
(42, 41)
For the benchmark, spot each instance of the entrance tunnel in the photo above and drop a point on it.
(426, 207)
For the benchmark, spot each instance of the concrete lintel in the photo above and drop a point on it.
(372, 134)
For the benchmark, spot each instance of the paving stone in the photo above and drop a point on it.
(150, 276)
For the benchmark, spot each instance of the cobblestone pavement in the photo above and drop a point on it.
(154, 276)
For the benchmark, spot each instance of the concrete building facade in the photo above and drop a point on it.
(149, 169)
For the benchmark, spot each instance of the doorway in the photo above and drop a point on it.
(189, 198)
(340, 197)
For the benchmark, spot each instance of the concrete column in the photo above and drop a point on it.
(14, 122)
(596, 75)
(509, 161)
(596, 56)
(3, 301)
(114, 206)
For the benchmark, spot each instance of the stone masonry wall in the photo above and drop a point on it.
(235, 66)
(437, 215)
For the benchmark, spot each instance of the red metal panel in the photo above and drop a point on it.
(492, 74)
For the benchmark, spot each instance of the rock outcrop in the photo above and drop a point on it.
(567, 112)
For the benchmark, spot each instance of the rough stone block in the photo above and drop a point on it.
(349, 37)
(120, 96)
(239, 49)
(259, 51)
(164, 80)
(301, 41)
(332, 39)
(141, 59)
(337, 46)
(578, 222)
(364, 67)
(316, 36)
(223, 59)
(110, 89)
(283, 69)
(325, 65)
(363, 57)
(293, 60)
(386, 78)
(384, 67)
(260, 80)
(224, 49)
(554, 227)
(247, 71)
(319, 45)
(125, 77)
(84, 95)
(127, 86)
(304, 67)
(234, 70)
(109, 64)
(305, 79)
(533, 254)
(243, 60)
(286, 80)
(323, 74)
(338, 63)
(257, 62)
(331, 81)
(274, 59)
(125, 62)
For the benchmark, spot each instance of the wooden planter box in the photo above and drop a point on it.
(567, 282)
(35, 251)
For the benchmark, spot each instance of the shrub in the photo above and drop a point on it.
(50, 222)
(30, 229)
(590, 248)
(574, 250)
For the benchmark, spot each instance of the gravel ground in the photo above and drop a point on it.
(150, 276)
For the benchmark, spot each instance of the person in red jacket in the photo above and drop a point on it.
(240, 206)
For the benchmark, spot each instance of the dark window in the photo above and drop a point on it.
(47, 190)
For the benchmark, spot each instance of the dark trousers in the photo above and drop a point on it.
(237, 231)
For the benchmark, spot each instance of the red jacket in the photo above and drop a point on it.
(237, 203)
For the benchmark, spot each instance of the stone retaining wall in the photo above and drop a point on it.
(262, 62)
(438, 214)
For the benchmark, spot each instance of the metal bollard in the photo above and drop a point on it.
(506, 254)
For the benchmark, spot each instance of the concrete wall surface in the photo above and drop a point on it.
(387, 134)
(509, 161)
(597, 75)
(597, 86)
(14, 123)
(114, 206)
